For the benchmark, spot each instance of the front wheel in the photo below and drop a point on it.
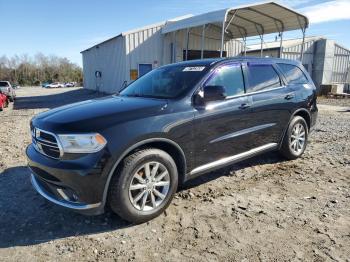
(143, 187)
(295, 139)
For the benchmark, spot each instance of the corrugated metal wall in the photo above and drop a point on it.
(143, 46)
(109, 59)
(341, 65)
(294, 53)
(88, 69)
(116, 57)
(212, 42)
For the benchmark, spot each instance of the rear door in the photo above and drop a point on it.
(218, 124)
(271, 101)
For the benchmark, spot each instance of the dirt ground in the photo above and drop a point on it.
(263, 209)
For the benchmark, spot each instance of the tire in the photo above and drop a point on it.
(294, 141)
(1, 107)
(6, 103)
(133, 203)
(11, 99)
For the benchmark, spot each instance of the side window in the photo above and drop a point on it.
(261, 77)
(293, 74)
(230, 77)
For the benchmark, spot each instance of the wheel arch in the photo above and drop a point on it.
(165, 144)
(304, 113)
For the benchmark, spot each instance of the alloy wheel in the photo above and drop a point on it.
(149, 186)
(297, 138)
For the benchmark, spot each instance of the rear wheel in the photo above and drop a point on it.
(295, 139)
(144, 185)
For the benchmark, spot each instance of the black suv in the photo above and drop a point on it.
(130, 151)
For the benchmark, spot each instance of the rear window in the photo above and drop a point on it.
(3, 84)
(262, 77)
(293, 74)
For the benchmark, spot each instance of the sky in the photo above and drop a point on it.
(66, 27)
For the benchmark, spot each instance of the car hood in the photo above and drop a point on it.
(97, 114)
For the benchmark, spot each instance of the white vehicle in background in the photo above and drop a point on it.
(7, 89)
(55, 85)
(69, 84)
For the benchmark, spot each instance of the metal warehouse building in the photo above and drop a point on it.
(110, 65)
(326, 61)
(113, 63)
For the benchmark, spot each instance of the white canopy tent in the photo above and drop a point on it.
(242, 22)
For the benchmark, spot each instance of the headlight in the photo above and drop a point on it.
(82, 143)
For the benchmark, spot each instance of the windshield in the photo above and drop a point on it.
(2, 84)
(166, 82)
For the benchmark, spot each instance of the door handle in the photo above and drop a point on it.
(244, 106)
(289, 96)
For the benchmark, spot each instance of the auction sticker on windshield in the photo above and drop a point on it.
(193, 68)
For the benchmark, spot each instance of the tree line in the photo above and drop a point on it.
(37, 69)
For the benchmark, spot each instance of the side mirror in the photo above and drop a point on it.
(214, 93)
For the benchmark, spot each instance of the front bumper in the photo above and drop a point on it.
(75, 184)
(80, 207)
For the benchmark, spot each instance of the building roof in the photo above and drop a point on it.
(285, 43)
(140, 29)
(246, 20)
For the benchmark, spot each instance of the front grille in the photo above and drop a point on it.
(46, 143)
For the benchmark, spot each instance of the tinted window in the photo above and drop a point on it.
(230, 77)
(4, 84)
(293, 74)
(166, 82)
(262, 77)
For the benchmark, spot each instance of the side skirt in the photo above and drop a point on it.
(230, 160)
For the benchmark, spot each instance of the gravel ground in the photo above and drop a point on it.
(264, 208)
(335, 102)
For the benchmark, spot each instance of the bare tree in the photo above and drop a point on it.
(26, 70)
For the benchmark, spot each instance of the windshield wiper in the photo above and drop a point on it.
(133, 95)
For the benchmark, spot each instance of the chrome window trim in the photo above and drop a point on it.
(256, 92)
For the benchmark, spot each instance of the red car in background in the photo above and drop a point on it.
(3, 101)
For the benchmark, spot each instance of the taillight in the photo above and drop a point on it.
(8, 89)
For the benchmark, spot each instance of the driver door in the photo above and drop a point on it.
(219, 125)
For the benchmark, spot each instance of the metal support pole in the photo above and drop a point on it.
(203, 38)
(303, 29)
(222, 37)
(261, 35)
(174, 48)
(245, 46)
(281, 45)
(187, 42)
(229, 22)
(261, 45)
(302, 46)
(224, 27)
